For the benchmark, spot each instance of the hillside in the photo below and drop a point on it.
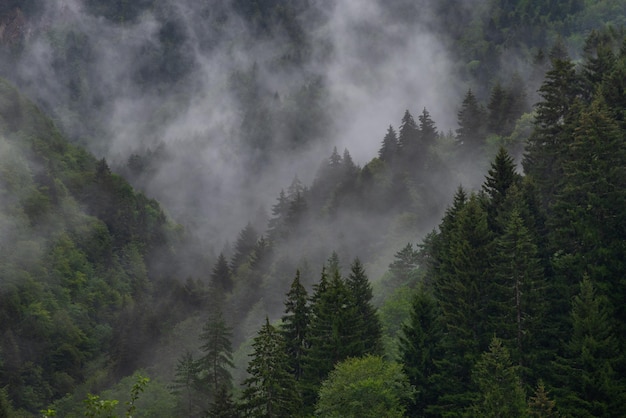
(429, 194)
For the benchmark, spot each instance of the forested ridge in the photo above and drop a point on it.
(512, 305)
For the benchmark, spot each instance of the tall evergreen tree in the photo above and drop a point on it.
(462, 290)
(589, 224)
(276, 225)
(389, 148)
(223, 406)
(270, 390)
(295, 324)
(472, 121)
(217, 360)
(332, 333)
(185, 383)
(368, 327)
(408, 136)
(547, 145)
(518, 295)
(501, 176)
(221, 274)
(500, 393)
(589, 385)
(404, 264)
(244, 246)
(418, 344)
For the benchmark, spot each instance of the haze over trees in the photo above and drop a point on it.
(469, 265)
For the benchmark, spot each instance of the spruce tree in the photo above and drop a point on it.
(408, 136)
(547, 145)
(389, 148)
(221, 275)
(500, 393)
(462, 289)
(588, 384)
(540, 405)
(295, 324)
(501, 176)
(270, 390)
(472, 126)
(244, 246)
(418, 344)
(368, 327)
(185, 384)
(517, 305)
(216, 361)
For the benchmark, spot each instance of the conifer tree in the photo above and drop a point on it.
(517, 302)
(389, 147)
(221, 274)
(404, 264)
(244, 246)
(588, 223)
(368, 327)
(295, 325)
(589, 384)
(540, 405)
(408, 136)
(547, 145)
(472, 125)
(276, 225)
(185, 383)
(216, 361)
(501, 176)
(418, 344)
(270, 389)
(332, 333)
(500, 393)
(223, 406)
(461, 288)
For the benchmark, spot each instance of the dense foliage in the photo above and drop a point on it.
(512, 305)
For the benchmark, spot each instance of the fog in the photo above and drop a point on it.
(367, 63)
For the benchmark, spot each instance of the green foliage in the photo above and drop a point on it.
(364, 387)
(500, 393)
(270, 388)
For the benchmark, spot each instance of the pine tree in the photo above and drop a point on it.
(501, 176)
(588, 223)
(244, 247)
(295, 325)
(221, 275)
(548, 143)
(408, 136)
(472, 126)
(332, 333)
(462, 290)
(404, 264)
(389, 147)
(540, 405)
(497, 107)
(216, 361)
(418, 349)
(589, 383)
(270, 388)
(223, 406)
(518, 294)
(368, 328)
(500, 393)
(185, 383)
(276, 225)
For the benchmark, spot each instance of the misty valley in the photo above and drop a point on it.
(312, 208)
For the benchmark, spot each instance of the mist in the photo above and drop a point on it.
(364, 64)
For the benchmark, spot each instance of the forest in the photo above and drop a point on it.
(312, 208)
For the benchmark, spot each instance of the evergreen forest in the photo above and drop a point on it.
(312, 208)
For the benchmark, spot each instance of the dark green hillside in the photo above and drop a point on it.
(76, 243)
